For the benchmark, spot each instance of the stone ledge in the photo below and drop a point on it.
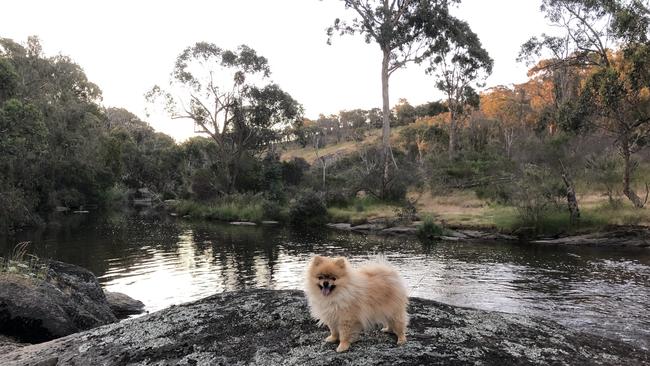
(267, 327)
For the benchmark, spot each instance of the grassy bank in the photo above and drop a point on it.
(462, 209)
(234, 208)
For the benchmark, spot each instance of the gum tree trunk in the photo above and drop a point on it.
(385, 136)
(627, 190)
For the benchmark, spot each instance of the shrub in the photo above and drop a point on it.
(337, 198)
(429, 230)
(272, 210)
(308, 209)
(293, 171)
(202, 184)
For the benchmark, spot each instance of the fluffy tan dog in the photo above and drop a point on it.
(349, 300)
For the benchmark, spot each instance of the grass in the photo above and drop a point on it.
(222, 211)
(235, 207)
(23, 264)
(362, 210)
(344, 148)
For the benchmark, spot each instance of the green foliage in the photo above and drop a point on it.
(294, 170)
(243, 117)
(537, 196)
(405, 113)
(429, 230)
(235, 207)
(8, 79)
(308, 210)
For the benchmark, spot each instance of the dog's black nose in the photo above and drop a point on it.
(326, 284)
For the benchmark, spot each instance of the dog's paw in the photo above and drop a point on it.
(331, 339)
(343, 346)
(386, 330)
(401, 340)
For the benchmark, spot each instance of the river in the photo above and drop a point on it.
(605, 291)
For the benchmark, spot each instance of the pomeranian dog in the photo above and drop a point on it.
(349, 300)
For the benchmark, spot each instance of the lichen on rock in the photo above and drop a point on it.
(267, 327)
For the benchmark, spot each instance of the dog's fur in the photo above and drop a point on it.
(349, 300)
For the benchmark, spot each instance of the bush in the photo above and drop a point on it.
(429, 230)
(272, 210)
(293, 171)
(337, 198)
(308, 209)
(202, 185)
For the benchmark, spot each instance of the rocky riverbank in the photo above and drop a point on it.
(266, 327)
(62, 300)
(622, 236)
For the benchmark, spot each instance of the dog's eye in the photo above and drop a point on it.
(320, 278)
(333, 278)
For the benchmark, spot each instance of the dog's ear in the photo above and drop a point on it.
(317, 260)
(341, 262)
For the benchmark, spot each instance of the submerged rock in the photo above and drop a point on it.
(68, 299)
(267, 327)
(123, 305)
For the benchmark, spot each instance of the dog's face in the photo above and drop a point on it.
(327, 274)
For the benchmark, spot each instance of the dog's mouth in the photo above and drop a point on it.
(326, 290)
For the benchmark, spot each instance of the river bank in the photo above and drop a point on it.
(269, 327)
(596, 289)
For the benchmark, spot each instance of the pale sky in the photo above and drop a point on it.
(126, 47)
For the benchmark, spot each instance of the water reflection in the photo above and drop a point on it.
(598, 290)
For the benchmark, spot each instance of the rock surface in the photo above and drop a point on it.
(267, 327)
(68, 300)
(123, 305)
(630, 237)
(399, 230)
(8, 344)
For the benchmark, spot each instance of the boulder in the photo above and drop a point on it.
(266, 327)
(365, 228)
(67, 300)
(243, 223)
(123, 305)
(399, 230)
(340, 226)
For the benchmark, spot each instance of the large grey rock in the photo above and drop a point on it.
(267, 327)
(123, 305)
(8, 344)
(68, 300)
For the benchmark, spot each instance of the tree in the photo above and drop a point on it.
(398, 27)
(511, 108)
(613, 98)
(430, 109)
(51, 131)
(458, 60)
(224, 93)
(404, 112)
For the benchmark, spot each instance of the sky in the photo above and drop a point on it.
(127, 46)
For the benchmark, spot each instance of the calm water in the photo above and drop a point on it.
(603, 291)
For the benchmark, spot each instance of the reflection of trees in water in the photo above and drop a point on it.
(244, 256)
(93, 241)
